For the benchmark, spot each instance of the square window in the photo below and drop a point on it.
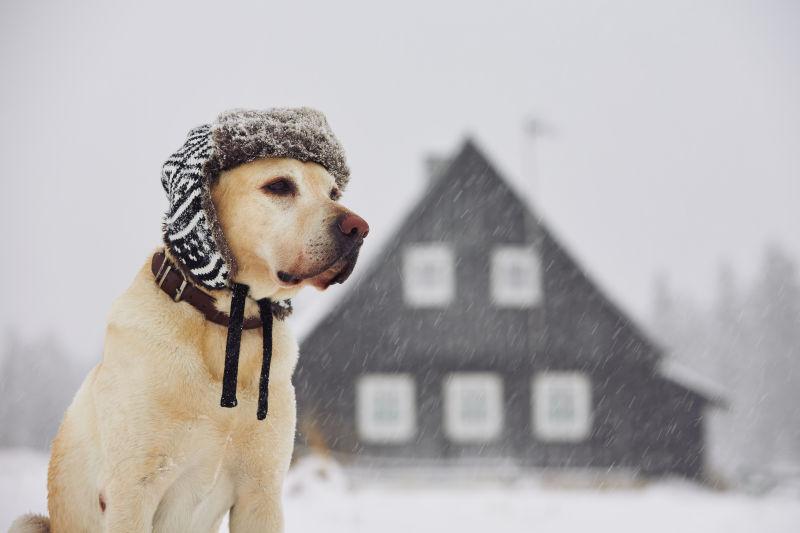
(428, 275)
(473, 406)
(515, 277)
(561, 404)
(385, 408)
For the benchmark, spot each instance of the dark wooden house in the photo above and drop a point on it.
(475, 336)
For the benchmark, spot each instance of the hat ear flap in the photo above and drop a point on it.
(191, 230)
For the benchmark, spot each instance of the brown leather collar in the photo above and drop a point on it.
(172, 281)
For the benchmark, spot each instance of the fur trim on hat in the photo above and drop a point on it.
(302, 133)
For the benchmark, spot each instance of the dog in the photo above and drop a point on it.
(145, 445)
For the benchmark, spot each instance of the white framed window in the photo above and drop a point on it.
(386, 408)
(428, 275)
(516, 276)
(473, 406)
(561, 404)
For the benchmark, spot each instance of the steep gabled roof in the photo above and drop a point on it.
(471, 163)
(468, 157)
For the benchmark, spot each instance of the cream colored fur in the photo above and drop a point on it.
(145, 432)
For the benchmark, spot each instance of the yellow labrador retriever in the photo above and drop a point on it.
(145, 445)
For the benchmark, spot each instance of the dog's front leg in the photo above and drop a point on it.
(132, 494)
(130, 510)
(258, 509)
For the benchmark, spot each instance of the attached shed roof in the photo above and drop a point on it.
(688, 378)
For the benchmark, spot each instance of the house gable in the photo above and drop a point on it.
(472, 209)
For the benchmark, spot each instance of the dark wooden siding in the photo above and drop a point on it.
(640, 420)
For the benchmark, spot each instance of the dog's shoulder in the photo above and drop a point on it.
(143, 307)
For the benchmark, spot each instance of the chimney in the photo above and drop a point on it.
(435, 165)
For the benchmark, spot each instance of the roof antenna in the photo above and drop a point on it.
(533, 128)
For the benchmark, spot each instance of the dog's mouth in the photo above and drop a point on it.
(336, 272)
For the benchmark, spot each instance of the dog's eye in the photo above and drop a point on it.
(335, 194)
(280, 186)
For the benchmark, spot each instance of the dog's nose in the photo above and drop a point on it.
(353, 225)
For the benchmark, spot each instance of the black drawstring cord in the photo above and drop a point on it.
(265, 310)
(235, 324)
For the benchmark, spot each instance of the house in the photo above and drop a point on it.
(476, 336)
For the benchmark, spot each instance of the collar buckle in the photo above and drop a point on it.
(179, 292)
(161, 276)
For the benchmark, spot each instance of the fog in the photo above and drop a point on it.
(659, 142)
(671, 139)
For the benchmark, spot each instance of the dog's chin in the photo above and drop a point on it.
(338, 272)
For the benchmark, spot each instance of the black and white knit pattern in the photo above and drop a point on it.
(188, 226)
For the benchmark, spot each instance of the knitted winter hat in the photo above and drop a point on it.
(192, 232)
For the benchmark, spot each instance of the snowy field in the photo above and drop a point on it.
(335, 504)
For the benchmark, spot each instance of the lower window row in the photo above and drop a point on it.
(474, 407)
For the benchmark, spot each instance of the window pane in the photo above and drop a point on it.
(473, 406)
(385, 408)
(561, 406)
(428, 275)
(515, 276)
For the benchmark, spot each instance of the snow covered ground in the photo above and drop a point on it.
(335, 504)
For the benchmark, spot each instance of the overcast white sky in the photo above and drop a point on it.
(676, 127)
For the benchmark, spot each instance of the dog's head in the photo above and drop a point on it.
(285, 227)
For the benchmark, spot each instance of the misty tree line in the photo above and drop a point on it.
(748, 342)
(37, 382)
